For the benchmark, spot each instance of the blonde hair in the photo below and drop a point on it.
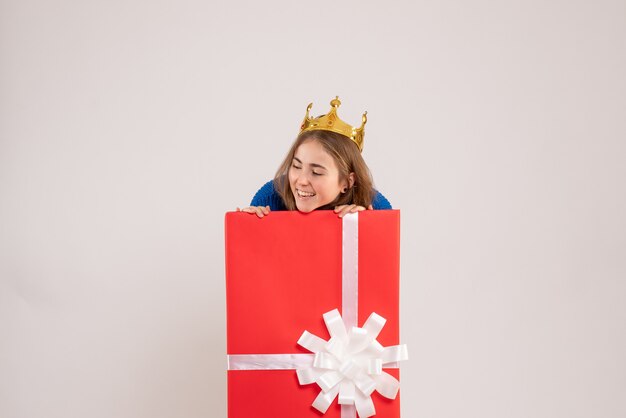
(348, 159)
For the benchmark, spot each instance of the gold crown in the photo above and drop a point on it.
(331, 122)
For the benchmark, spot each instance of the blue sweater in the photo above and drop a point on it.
(268, 196)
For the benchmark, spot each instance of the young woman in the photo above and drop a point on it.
(323, 169)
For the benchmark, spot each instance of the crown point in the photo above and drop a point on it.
(335, 102)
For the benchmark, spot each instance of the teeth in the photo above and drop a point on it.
(304, 194)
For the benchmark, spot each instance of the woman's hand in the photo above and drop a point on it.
(260, 211)
(345, 209)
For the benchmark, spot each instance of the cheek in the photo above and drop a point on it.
(328, 186)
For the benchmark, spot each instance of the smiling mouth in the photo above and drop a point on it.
(304, 194)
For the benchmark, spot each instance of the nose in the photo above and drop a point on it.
(303, 178)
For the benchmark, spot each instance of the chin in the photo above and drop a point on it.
(304, 209)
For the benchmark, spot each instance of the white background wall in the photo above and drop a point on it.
(128, 129)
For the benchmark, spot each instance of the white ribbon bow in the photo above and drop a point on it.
(351, 364)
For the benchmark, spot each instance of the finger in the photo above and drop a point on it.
(357, 209)
(370, 207)
(249, 209)
(346, 209)
(259, 211)
(266, 210)
(353, 208)
(339, 208)
(238, 210)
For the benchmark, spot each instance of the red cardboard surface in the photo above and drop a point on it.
(282, 273)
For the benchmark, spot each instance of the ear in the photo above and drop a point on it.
(347, 183)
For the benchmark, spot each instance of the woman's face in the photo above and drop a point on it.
(314, 177)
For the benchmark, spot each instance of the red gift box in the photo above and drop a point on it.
(282, 273)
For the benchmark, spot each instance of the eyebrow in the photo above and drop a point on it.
(312, 164)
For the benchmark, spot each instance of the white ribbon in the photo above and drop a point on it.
(350, 364)
(350, 269)
(269, 361)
